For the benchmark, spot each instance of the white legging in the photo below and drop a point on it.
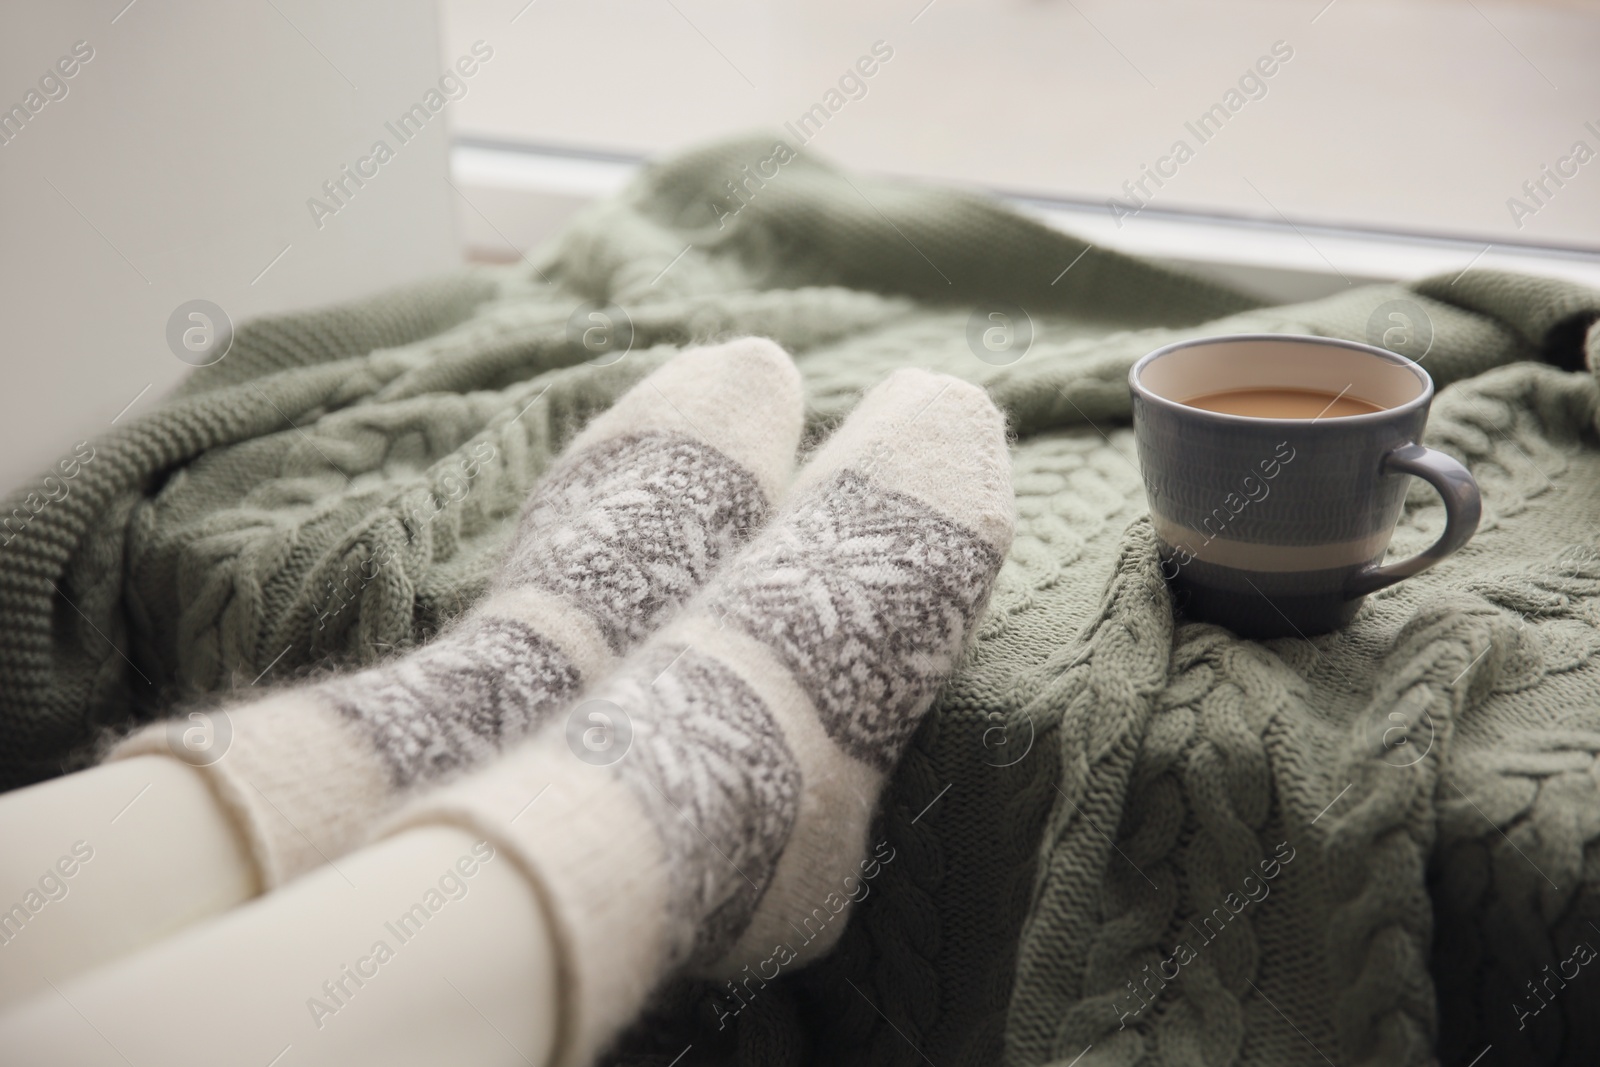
(138, 941)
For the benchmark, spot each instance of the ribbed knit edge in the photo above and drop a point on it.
(592, 861)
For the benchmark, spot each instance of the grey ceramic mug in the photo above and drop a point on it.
(1271, 526)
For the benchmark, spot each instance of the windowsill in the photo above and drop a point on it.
(520, 195)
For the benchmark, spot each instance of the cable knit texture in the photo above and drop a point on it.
(1096, 778)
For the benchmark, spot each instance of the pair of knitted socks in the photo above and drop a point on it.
(751, 654)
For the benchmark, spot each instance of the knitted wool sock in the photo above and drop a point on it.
(723, 823)
(630, 522)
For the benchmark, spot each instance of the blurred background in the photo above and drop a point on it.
(185, 156)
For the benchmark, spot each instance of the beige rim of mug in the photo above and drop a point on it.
(1402, 384)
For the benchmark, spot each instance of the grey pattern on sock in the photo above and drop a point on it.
(867, 597)
(476, 689)
(633, 527)
(711, 766)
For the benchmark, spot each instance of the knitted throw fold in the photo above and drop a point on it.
(1118, 835)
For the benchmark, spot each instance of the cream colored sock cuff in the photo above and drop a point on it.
(594, 862)
(295, 821)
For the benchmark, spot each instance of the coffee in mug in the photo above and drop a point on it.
(1276, 468)
(1283, 403)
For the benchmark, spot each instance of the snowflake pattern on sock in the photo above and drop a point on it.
(484, 684)
(627, 532)
(867, 597)
(633, 527)
(709, 763)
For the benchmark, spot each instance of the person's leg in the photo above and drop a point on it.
(101, 863)
(710, 797)
(428, 948)
(706, 809)
(632, 521)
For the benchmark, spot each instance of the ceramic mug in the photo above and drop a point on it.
(1278, 526)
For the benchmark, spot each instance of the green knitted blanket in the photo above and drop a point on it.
(1120, 838)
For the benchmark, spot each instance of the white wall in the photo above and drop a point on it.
(178, 166)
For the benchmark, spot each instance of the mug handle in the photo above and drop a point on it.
(1463, 507)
